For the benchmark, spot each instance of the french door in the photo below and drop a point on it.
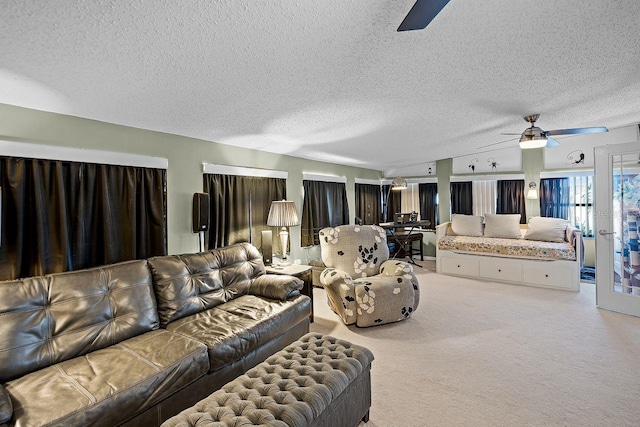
(617, 197)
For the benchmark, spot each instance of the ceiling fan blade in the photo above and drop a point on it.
(551, 143)
(496, 143)
(576, 131)
(421, 14)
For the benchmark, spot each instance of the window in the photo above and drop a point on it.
(484, 197)
(324, 205)
(429, 202)
(581, 203)
(239, 206)
(569, 195)
(461, 198)
(488, 194)
(511, 198)
(368, 203)
(420, 196)
(67, 215)
(410, 198)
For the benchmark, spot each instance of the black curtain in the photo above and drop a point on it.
(511, 198)
(61, 216)
(368, 203)
(239, 207)
(554, 197)
(428, 195)
(461, 198)
(392, 201)
(324, 205)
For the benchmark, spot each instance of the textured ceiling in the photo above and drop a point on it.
(329, 80)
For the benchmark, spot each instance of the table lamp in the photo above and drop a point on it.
(283, 214)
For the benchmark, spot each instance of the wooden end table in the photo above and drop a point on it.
(300, 271)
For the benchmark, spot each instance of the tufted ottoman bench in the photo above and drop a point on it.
(316, 381)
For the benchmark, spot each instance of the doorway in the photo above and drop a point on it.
(617, 196)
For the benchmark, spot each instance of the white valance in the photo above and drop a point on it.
(69, 154)
(209, 168)
(327, 178)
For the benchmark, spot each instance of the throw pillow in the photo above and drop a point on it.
(547, 229)
(504, 226)
(466, 225)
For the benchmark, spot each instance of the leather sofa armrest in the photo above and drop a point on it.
(276, 286)
(6, 408)
(341, 293)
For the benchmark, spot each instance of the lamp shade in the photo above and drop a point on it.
(283, 214)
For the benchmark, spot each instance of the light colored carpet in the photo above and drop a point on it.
(490, 354)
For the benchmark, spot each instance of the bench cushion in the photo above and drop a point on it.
(109, 386)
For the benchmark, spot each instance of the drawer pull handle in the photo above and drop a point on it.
(499, 271)
(546, 275)
(458, 265)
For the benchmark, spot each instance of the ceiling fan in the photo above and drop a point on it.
(421, 14)
(534, 137)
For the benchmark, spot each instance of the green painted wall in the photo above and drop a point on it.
(532, 164)
(185, 155)
(444, 170)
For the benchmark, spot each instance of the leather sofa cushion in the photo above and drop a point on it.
(6, 407)
(49, 319)
(234, 329)
(109, 386)
(188, 284)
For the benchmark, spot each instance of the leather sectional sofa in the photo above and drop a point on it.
(134, 343)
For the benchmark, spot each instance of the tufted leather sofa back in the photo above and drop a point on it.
(188, 284)
(49, 319)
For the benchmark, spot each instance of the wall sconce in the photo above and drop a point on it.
(532, 194)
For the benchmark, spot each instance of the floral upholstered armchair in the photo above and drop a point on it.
(363, 286)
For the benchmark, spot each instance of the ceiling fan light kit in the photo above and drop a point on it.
(398, 184)
(534, 137)
(527, 143)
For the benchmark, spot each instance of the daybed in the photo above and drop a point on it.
(134, 343)
(510, 257)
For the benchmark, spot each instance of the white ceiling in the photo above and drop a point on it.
(328, 80)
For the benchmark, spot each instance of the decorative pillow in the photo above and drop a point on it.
(504, 226)
(547, 229)
(276, 286)
(466, 225)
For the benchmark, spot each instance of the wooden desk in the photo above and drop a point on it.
(402, 237)
(300, 271)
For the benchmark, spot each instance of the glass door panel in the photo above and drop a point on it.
(617, 214)
(626, 213)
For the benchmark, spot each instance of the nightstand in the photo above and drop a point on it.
(300, 271)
